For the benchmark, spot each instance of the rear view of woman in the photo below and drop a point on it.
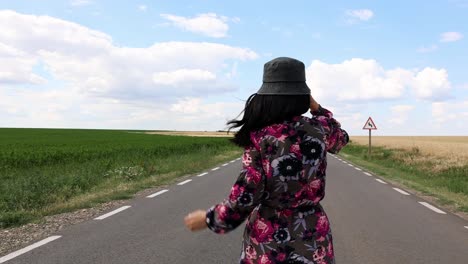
(282, 181)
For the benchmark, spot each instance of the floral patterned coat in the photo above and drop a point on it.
(279, 191)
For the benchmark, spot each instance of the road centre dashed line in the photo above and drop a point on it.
(157, 193)
(118, 210)
(28, 248)
(184, 182)
(379, 180)
(401, 191)
(433, 208)
(217, 168)
(202, 174)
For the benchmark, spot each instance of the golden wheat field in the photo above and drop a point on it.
(451, 151)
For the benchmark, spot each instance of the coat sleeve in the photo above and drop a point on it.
(335, 137)
(244, 196)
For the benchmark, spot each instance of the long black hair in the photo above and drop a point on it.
(264, 110)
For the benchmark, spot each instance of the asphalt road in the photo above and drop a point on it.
(371, 223)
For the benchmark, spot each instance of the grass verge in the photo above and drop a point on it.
(449, 186)
(49, 171)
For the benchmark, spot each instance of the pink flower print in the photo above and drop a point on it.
(222, 212)
(276, 131)
(319, 254)
(330, 253)
(264, 259)
(295, 148)
(250, 252)
(262, 231)
(323, 225)
(235, 216)
(285, 213)
(236, 191)
(253, 175)
(267, 168)
(281, 256)
(246, 159)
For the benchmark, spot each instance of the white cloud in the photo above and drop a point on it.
(400, 114)
(450, 112)
(209, 24)
(428, 49)
(463, 86)
(450, 36)
(109, 85)
(359, 14)
(365, 80)
(431, 84)
(88, 59)
(80, 2)
(143, 8)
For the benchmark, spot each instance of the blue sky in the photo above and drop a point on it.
(187, 65)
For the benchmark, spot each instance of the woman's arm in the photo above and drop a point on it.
(245, 195)
(335, 137)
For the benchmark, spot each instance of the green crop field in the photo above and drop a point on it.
(47, 171)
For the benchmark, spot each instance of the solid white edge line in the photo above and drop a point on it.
(113, 212)
(379, 180)
(225, 164)
(368, 174)
(157, 193)
(401, 191)
(217, 168)
(184, 182)
(359, 169)
(28, 248)
(435, 209)
(203, 174)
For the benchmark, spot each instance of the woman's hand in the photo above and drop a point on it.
(314, 106)
(196, 220)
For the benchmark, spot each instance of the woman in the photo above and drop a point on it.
(283, 178)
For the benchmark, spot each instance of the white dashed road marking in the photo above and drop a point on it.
(435, 209)
(157, 193)
(466, 227)
(113, 212)
(358, 169)
(217, 168)
(203, 174)
(401, 191)
(184, 182)
(225, 164)
(232, 161)
(345, 162)
(368, 174)
(379, 180)
(28, 248)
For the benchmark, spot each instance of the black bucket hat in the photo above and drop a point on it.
(284, 76)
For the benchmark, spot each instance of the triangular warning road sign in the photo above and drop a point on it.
(370, 124)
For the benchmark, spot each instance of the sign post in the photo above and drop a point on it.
(371, 126)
